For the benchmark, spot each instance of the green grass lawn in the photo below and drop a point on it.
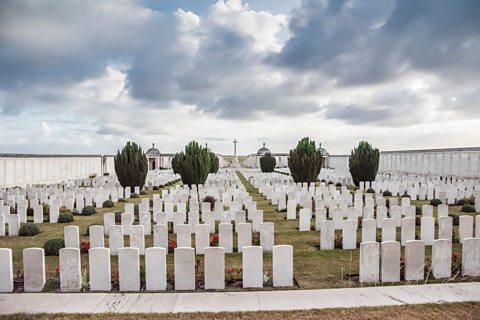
(313, 269)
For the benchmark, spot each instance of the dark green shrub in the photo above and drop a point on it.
(468, 208)
(131, 166)
(88, 210)
(406, 195)
(108, 204)
(338, 185)
(87, 232)
(455, 220)
(118, 217)
(63, 209)
(52, 246)
(162, 186)
(330, 182)
(387, 193)
(267, 163)
(193, 164)
(211, 200)
(143, 193)
(122, 200)
(29, 212)
(363, 163)
(470, 201)
(134, 195)
(435, 202)
(214, 163)
(305, 161)
(65, 217)
(323, 180)
(28, 230)
(370, 190)
(156, 188)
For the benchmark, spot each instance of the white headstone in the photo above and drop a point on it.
(115, 239)
(96, 236)
(465, 227)
(390, 270)
(160, 236)
(427, 230)
(72, 237)
(369, 262)
(471, 257)
(445, 225)
(129, 269)
(184, 236)
(369, 230)
(225, 237)
(282, 263)
(34, 269)
(267, 236)
(6, 265)
(408, 230)
(414, 260)
(252, 264)
(99, 269)
(244, 235)
(215, 268)
(184, 268)
(349, 234)
(442, 258)
(70, 275)
(156, 268)
(202, 238)
(137, 238)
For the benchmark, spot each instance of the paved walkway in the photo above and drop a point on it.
(236, 301)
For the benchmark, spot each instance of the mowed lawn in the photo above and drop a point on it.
(460, 311)
(313, 269)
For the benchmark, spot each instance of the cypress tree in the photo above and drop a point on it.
(131, 166)
(363, 162)
(305, 161)
(267, 163)
(193, 164)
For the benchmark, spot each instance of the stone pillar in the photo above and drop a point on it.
(369, 262)
(282, 266)
(184, 268)
(99, 269)
(252, 262)
(70, 274)
(156, 269)
(215, 268)
(129, 269)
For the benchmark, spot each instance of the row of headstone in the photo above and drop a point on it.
(155, 268)
(382, 262)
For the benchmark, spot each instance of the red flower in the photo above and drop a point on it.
(57, 269)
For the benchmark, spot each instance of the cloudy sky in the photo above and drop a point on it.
(86, 76)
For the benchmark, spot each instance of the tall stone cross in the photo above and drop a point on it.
(235, 147)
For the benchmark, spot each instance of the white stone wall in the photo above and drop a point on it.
(20, 170)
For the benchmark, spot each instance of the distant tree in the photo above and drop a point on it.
(131, 166)
(267, 163)
(305, 161)
(214, 163)
(193, 164)
(363, 162)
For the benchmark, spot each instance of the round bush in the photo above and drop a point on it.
(88, 210)
(108, 204)
(406, 195)
(338, 184)
(52, 246)
(28, 230)
(122, 200)
(371, 190)
(143, 193)
(435, 202)
(65, 217)
(387, 193)
(468, 208)
(134, 195)
(156, 188)
(330, 182)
